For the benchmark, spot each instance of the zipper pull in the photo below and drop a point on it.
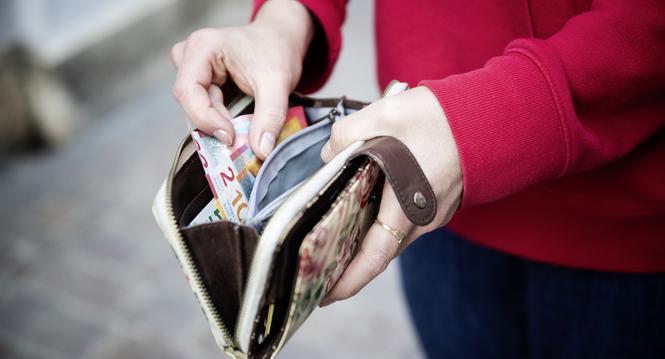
(338, 111)
(334, 114)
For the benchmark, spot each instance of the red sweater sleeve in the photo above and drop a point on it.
(328, 16)
(586, 96)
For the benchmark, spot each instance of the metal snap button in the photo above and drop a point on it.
(419, 200)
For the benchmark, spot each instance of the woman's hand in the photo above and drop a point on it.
(415, 118)
(264, 58)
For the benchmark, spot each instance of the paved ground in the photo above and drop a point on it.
(85, 273)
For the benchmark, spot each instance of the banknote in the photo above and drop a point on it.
(224, 179)
(209, 213)
(231, 170)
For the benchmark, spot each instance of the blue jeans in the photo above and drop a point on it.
(468, 301)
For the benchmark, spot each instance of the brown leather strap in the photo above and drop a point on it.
(407, 179)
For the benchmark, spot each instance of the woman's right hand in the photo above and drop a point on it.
(264, 58)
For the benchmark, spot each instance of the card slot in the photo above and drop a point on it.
(196, 205)
(188, 183)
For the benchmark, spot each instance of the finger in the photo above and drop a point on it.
(416, 232)
(217, 100)
(191, 91)
(358, 126)
(376, 251)
(176, 53)
(272, 99)
(219, 73)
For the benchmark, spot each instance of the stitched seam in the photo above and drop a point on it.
(428, 187)
(392, 178)
(404, 200)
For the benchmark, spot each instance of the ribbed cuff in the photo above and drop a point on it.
(507, 125)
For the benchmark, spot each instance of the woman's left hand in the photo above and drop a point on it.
(415, 118)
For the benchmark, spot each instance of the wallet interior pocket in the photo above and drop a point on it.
(196, 205)
(189, 187)
(292, 162)
(222, 253)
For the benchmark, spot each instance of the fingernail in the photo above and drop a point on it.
(223, 137)
(267, 143)
(325, 152)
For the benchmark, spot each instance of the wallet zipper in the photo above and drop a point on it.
(202, 294)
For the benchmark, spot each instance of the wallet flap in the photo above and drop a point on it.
(407, 179)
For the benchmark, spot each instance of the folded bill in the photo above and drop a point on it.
(231, 170)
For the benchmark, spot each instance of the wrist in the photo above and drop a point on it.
(289, 19)
(450, 182)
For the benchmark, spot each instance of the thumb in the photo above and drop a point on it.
(272, 100)
(355, 127)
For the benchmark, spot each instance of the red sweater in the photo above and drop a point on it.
(557, 108)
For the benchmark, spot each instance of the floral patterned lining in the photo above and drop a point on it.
(329, 247)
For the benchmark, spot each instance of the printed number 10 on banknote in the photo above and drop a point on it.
(230, 171)
(224, 177)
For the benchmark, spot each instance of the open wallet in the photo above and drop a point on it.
(258, 280)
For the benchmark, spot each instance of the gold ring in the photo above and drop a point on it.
(399, 236)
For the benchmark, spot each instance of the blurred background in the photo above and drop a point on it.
(88, 129)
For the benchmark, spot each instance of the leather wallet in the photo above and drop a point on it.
(257, 281)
